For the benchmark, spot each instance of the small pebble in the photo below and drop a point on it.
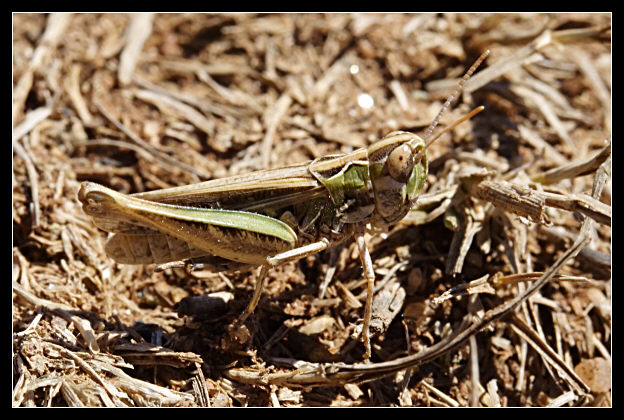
(596, 373)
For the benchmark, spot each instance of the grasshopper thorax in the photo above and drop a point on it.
(398, 168)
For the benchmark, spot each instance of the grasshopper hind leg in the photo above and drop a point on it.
(237, 330)
(251, 306)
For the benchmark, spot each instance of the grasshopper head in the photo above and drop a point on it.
(398, 168)
(398, 164)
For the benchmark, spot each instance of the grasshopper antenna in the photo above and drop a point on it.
(458, 89)
(447, 129)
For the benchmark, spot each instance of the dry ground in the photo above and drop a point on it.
(141, 102)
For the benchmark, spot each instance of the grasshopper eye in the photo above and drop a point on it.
(400, 163)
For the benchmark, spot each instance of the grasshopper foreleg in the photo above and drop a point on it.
(369, 275)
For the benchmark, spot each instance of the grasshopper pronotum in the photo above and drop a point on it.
(270, 217)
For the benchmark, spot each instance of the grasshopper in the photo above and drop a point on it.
(269, 217)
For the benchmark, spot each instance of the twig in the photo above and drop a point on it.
(563, 399)
(72, 87)
(480, 285)
(65, 311)
(272, 118)
(182, 110)
(531, 203)
(330, 76)
(544, 107)
(549, 355)
(445, 398)
(70, 394)
(162, 157)
(555, 97)
(462, 239)
(576, 168)
(138, 31)
(331, 270)
(33, 118)
(208, 107)
(234, 97)
(199, 387)
(57, 22)
(512, 198)
(581, 203)
(492, 388)
(586, 65)
(404, 395)
(533, 139)
(119, 397)
(474, 372)
(34, 183)
(507, 64)
(518, 58)
(399, 93)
